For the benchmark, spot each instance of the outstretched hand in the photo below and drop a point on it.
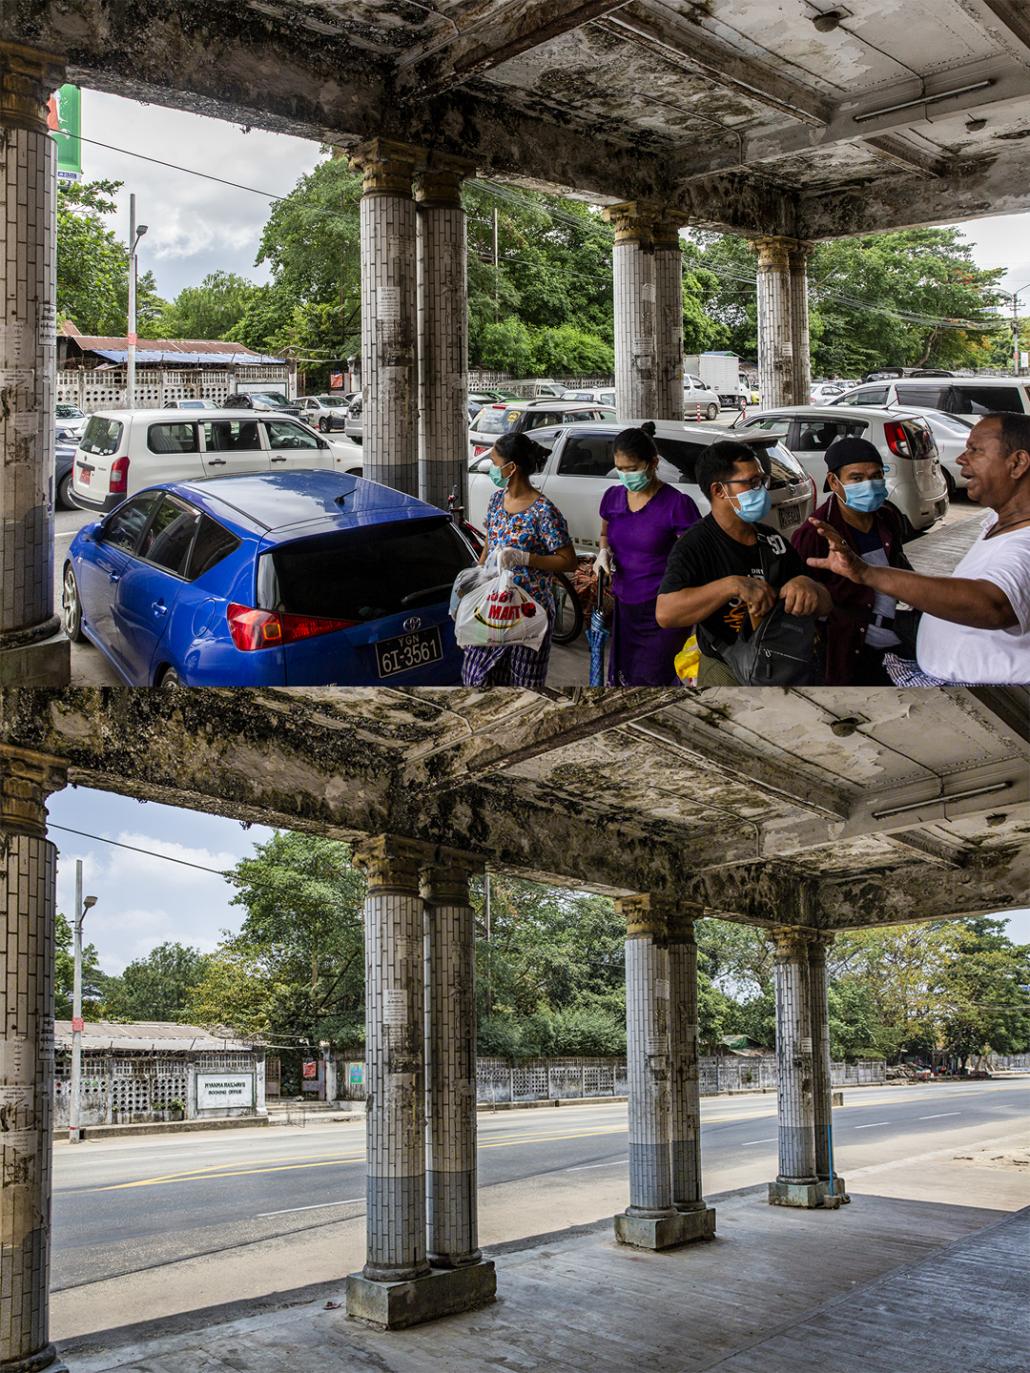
(840, 559)
(800, 596)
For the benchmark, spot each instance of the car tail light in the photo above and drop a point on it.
(252, 629)
(897, 439)
(119, 475)
(479, 448)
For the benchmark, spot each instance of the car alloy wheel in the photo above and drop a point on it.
(323, 424)
(71, 609)
(712, 412)
(64, 492)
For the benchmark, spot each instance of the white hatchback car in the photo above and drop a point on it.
(122, 451)
(950, 433)
(915, 482)
(581, 466)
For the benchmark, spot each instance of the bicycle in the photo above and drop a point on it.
(568, 612)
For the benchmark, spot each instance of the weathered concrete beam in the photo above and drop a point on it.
(501, 33)
(993, 184)
(767, 894)
(985, 886)
(684, 40)
(1007, 20)
(907, 155)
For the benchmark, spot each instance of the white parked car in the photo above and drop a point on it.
(192, 403)
(949, 431)
(602, 396)
(69, 419)
(699, 400)
(915, 482)
(970, 397)
(321, 411)
(122, 451)
(515, 416)
(581, 467)
(825, 392)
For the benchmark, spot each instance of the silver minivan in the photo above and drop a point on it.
(915, 483)
(122, 451)
(971, 397)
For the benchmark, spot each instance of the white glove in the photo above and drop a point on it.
(512, 557)
(603, 562)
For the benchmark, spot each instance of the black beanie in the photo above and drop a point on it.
(844, 451)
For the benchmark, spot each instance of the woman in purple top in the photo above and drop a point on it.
(641, 519)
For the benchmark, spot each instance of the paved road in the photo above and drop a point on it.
(121, 1206)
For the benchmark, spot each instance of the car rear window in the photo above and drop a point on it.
(683, 456)
(494, 420)
(364, 574)
(921, 440)
(173, 438)
(815, 436)
(101, 437)
(780, 464)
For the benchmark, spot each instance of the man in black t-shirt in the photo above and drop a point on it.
(726, 573)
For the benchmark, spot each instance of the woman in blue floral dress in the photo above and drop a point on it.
(531, 536)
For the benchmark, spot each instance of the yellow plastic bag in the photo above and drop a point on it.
(687, 661)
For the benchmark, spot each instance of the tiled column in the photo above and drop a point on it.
(796, 1184)
(442, 334)
(635, 284)
(451, 1062)
(389, 314)
(33, 650)
(697, 1218)
(822, 1089)
(668, 255)
(801, 344)
(775, 330)
(397, 1286)
(651, 1221)
(27, 905)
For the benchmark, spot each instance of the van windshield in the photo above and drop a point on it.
(101, 437)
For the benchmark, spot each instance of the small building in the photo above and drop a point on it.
(153, 1071)
(92, 370)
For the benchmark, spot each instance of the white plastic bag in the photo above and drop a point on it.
(497, 613)
(472, 579)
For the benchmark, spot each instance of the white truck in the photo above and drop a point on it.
(720, 371)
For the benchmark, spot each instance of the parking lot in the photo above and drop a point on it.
(936, 552)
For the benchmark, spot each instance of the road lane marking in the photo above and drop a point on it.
(940, 1115)
(582, 1167)
(748, 1142)
(319, 1206)
(872, 1124)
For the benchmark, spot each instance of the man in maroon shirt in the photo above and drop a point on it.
(861, 627)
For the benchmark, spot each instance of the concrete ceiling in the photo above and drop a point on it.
(738, 112)
(829, 808)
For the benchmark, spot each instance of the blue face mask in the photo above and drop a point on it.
(635, 481)
(865, 496)
(753, 506)
(494, 473)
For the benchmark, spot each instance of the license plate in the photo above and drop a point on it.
(85, 474)
(789, 514)
(408, 651)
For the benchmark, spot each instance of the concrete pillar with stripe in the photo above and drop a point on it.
(34, 651)
(775, 323)
(796, 1184)
(28, 876)
(798, 255)
(822, 1087)
(697, 1218)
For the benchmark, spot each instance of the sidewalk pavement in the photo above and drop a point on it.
(924, 1271)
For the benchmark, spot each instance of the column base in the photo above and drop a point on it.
(839, 1194)
(442, 1292)
(803, 1194)
(46, 1361)
(45, 663)
(665, 1232)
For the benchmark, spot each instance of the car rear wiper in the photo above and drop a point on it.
(427, 591)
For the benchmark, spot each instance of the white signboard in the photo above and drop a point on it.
(217, 1091)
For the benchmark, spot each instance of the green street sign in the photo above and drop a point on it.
(64, 118)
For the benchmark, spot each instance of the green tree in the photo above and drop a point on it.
(157, 987)
(93, 265)
(94, 982)
(208, 311)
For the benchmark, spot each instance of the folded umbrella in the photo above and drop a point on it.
(597, 634)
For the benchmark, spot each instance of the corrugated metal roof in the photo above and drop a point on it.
(147, 1037)
(95, 342)
(157, 355)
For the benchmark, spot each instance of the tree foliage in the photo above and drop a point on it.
(157, 987)
(208, 311)
(94, 981)
(93, 265)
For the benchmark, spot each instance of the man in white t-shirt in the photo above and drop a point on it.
(975, 628)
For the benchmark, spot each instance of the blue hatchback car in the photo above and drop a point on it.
(296, 579)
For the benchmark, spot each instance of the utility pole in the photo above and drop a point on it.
(497, 271)
(135, 234)
(1013, 296)
(75, 1104)
(489, 955)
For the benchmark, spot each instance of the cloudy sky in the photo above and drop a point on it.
(197, 225)
(145, 900)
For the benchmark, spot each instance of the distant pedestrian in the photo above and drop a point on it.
(641, 520)
(530, 535)
(861, 628)
(975, 627)
(728, 572)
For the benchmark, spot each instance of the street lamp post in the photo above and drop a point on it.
(135, 234)
(75, 1104)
